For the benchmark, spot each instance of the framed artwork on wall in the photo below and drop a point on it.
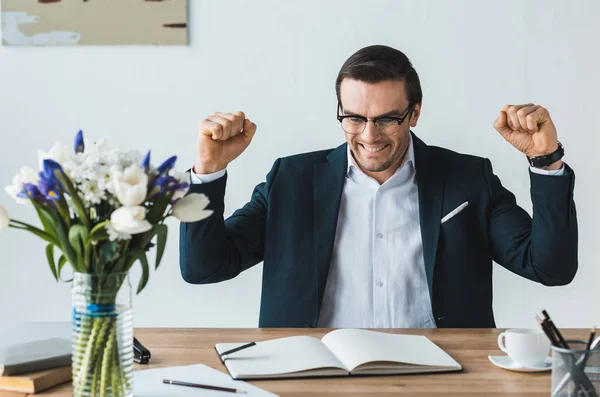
(94, 22)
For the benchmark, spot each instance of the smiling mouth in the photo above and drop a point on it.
(373, 149)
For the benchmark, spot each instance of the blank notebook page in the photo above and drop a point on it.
(356, 346)
(279, 356)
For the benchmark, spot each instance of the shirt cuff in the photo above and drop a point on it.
(558, 172)
(197, 179)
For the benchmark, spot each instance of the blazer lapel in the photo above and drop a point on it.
(329, 177)
(430, 183)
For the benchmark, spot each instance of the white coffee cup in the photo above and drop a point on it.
(526, 347)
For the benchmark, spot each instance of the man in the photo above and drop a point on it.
(383, 231)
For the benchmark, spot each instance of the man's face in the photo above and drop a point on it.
(378, 155)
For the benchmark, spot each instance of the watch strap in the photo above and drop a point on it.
(546, 160)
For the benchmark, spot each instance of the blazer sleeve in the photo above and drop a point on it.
(542, 249)
(214, 249)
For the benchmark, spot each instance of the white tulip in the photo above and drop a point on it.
(191, 208)
(60, 153)
(131, 185)
(25, 175)
(4, 219)
(178, 195)
(181, 177)
(130, 220)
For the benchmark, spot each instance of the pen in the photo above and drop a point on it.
(552, 326)
(199, 386)
(237, 349)
(547, 331)
(592, 336)
(580, 364)
(588, 347)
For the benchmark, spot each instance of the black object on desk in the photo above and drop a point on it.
(141, 355)
(237, 349)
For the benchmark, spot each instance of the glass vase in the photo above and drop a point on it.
(102, 335)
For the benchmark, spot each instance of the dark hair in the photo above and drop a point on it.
(378, 63)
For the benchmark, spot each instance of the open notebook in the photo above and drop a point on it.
(339, 353)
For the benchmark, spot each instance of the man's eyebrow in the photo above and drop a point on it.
(396, 113)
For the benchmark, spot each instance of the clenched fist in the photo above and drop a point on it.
(221, 138)
(528, 128)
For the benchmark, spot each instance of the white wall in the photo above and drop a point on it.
(278, 62)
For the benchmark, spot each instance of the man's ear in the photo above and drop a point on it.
(415, 115)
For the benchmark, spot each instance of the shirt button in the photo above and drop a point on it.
(379, 235)
(380, 284)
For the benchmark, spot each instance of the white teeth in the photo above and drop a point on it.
(374, 149)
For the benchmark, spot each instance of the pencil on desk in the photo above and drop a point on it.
(199, 386)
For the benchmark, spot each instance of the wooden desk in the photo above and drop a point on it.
(470, 347)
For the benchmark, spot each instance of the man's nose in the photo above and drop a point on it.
(370, 133)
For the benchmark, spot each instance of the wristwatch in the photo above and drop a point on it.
(546, 160)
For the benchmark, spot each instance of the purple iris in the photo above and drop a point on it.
(172, 183)
(79, 145)
(167, 165)
(166, 183)
(159, 185)
(51, 170)
(50, 185)
(49, 190)
(180, 187)
(30, 191)
(146, 162)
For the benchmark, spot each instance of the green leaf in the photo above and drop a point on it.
(98, 229)
(161, 242)
(62, 208)
(139, 254)
(45, 218)
(101, 235)
(50, 257)
(34, 230)
(77, 203)
(48, 221)
(158, 208)
(145, 272)
(143, 240)
(66, 248)
(61, 263)
(78, 237)
(55, 233)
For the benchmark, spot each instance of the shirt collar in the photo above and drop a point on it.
(409, 159)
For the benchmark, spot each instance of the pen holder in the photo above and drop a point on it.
(575, 371)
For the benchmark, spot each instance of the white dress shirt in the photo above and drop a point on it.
(377, 273)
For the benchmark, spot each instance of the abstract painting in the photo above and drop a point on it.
(94, 22)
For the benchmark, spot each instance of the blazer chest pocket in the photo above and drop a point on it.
(455, 212)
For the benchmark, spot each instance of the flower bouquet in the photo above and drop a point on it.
(101, 210)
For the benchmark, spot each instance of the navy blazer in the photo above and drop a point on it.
(290, 224)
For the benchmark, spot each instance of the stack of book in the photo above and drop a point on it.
(35, 366)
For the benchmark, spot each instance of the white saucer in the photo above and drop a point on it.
(506, 363)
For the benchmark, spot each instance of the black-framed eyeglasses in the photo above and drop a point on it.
(387, 125)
